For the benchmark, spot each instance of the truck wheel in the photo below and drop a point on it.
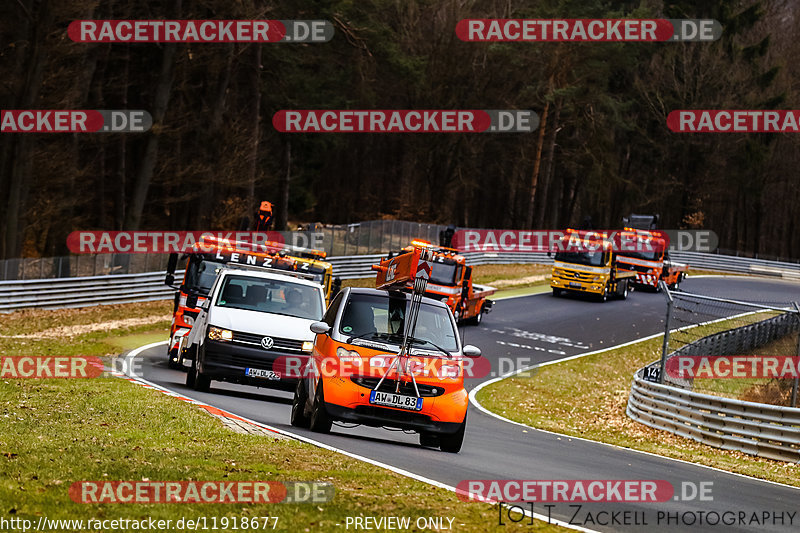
(299, 418)
(452, 443)
(476, 320)
(320, 421)
(556, 292)
(624, 294)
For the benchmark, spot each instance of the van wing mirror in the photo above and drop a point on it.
(320, 328)
(191, 301)
(471, 351)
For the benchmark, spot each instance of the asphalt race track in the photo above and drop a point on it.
(537, 329)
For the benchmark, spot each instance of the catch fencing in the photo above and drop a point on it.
(705, 409)
(124, 288)
(364, 239)
(95, 279)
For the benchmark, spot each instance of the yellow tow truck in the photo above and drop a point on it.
(586, 262)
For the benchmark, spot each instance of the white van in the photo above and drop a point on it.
(251, 319)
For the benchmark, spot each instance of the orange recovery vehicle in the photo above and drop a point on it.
(651, 261)
(450, 282)
(205, 260)
(388, 358)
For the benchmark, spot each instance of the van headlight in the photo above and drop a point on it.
(308, 346)
(219, 334)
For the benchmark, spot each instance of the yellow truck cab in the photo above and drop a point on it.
(586, 262)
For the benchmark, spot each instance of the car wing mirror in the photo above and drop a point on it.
(471, 351)
(320, 328)
(191, 301)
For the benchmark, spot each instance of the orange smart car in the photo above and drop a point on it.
(355, 375)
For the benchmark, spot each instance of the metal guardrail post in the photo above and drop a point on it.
(797, 378)
(665, 346)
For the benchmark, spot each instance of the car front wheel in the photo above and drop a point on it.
(299, 418)
(452, 443)
(320, 420)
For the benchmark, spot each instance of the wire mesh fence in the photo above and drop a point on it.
(371, 237)
(743, 350)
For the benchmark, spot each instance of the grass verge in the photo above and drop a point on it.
(56, 432)
(587, 397)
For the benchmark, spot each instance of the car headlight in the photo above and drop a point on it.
(308, 346)
(348, 355)
(219, 334)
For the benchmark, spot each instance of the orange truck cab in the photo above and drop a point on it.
(387, 358)
(205, 261)
(651, 261)
(450, 282)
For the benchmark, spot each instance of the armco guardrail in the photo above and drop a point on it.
(118, 288)
(123, 288)
(764, 430)
(84, 291)
(758, 429)
(742, 265)
(360, 266)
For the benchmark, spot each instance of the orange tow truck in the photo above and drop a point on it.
(651, 261)
(208, 256)
(450, 282)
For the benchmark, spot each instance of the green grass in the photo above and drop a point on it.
(56, 432)
(764, 390)
(516, 275)
(587, 397)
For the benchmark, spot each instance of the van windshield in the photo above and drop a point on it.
(376, 316)
(274, 296)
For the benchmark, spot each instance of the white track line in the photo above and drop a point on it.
(129, 372)
(474, 400)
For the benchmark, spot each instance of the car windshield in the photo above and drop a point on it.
(582, 258)
(382, 317)
(275, 296)
(200, 275)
